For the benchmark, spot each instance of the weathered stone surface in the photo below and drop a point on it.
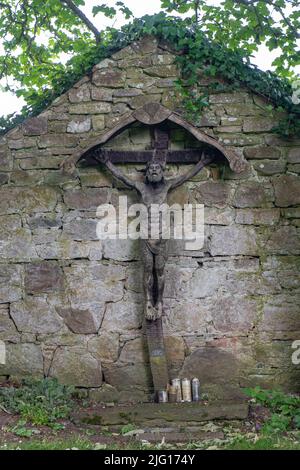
(257, 153)
(102, 94)
(86, 199)
(81, 229)
(213, 365)
(258, 216)
(105, 394)
(267, 168)
(250, 195)
(75, 366)
(134, 351)
(105, 347)
(6, 161)
(234, 240)
(79, 321)
(175, 351)
(23, 360)
(90, 108)
(121, 250)
(38, 199)
(94, 282)
(35, 125)
(258, 124)
(77, 95)
(185, 317)
(287, 190)
(284, 240)
(281, 314)
(4, 178)
(234, 314)
(58, 140)
(212, 193)
(43, 277)
(162, 71)
(222, 303)
(35, 315)
(169, 414)
(98, 123)
(79, 125)
(10, 283)
(128, 377)
(293, 155)
(122, 316)
(112, 78)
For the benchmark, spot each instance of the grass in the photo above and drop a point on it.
(275, 442)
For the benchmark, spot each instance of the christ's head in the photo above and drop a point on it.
(154, 172)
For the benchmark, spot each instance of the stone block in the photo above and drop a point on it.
(10, 283)
(281, 314)
(35, 315)
(258, 124)
(268, 168)
(80, 229)
(77, 126)
(80, 94)
(293, 155)
(234, 240)
(284, 240)
(85, 199)
(76, 366)
(102, 94)
(43, 277)
(122, 316)
(110, 78)
(23, 361)
(31, 200)
(58, 140)
(251, 194)
(287, 190)
(98, 123)
(93, 107)
(257, 216)
(79, 321)
(211, 193)
(105, 347)
(261, 153)
(35, 125)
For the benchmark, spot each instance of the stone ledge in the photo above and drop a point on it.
(146, 413)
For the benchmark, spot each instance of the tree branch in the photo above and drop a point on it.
(287, 21)
(83, 18)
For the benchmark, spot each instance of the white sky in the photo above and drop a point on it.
(10, 103)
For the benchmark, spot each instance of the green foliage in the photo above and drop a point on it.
(285, 408)
(127, 428)
(197, 48)
(38, 402)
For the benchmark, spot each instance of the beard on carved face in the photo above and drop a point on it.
(154, 173)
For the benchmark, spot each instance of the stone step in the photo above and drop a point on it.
(178, 437)
(163, 414)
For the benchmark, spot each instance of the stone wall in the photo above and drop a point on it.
(71, 306)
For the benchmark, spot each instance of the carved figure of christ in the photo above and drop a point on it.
(154, 190)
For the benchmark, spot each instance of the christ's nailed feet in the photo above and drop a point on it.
(152, 313)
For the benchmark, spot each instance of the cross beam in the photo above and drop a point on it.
(159, 151)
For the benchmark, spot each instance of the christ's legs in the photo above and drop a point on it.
(160, 262)
(148, 282)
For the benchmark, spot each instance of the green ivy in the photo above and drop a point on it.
(195, 53)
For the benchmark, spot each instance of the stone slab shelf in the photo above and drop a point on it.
(163, 413)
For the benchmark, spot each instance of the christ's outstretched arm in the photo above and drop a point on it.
(205, 160)
(103, 158)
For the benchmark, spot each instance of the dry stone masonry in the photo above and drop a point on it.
(71, 305)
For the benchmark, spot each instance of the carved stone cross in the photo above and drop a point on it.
(154, 190)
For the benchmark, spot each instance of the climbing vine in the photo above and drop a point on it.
(230, 70)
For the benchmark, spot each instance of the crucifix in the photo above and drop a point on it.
(154, 190)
